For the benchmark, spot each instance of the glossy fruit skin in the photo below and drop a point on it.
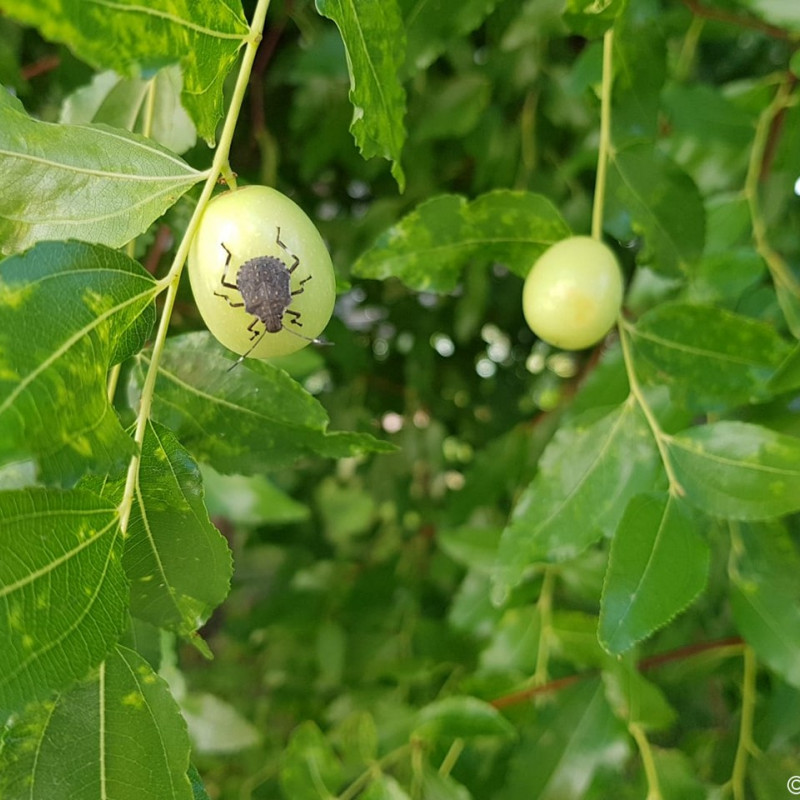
(573, 293)
(246, 221)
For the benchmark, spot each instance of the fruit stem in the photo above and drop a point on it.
(605, 135)
(220, 165)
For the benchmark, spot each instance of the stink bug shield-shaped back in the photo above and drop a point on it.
(264, 284)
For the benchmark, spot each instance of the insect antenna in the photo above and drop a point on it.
(308, 338)
(244, 355)
(255, 343)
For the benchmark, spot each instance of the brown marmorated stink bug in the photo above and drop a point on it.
(265, 286)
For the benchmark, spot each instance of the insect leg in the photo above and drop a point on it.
(226, 298)
(295, 317)
(225, 282)
(255, 321)
(296, 261)
(299, 289)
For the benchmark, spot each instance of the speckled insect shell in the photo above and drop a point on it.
(246, 222)
(266, 288)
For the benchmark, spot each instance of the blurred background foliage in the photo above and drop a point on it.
(362, 591)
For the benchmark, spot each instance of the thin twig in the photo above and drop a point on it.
(651, 662)
(40, 67)
(740, 20)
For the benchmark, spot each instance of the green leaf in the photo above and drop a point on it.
(713, 358)
(429, 248)
(178, 563)
(722, 278)
(639, 58)
(62, 587)
(635, 700)
(591, 19)
(737, 470)
(103, 184)
(436, 786)
(68, 311)
(472, 547)
(118, 734)
(216, 726)
(677, 776)
(663, 204)
(431, 25)
(454, 110)
(374, 39)
(787, 376)
(586, 477)
(385, 787)
(565, 746)
(461, 717)
(198, 789)
(309, 767)
(136, 38)
(250, 500)
(658, 565)
(514, 643)
(574, 639)
(765, 595)
(120, 102)
(356, 740)
(242, 421)
(705, 113)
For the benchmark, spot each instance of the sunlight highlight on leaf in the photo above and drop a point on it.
(430, 247)
(88, 182)
(133, 38)
(124, 732)
(68, 312)
(63, 594)
(374, 39)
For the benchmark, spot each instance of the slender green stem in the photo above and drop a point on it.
(149, 108)
(416, 769)
(111, 383)
(452, 757)
(779, 269)
(545, 607)
(745, 745)
(660, 437)
(604, 150)
(130, 248)
(649, 764)
(170, 282)
(689, 48)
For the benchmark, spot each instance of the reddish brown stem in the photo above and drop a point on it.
(160, 246)
(552, 686)
(40, 67)
(651, 662)
(740, 20)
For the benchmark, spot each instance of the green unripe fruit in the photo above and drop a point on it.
(573, 293)
(258, 222)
